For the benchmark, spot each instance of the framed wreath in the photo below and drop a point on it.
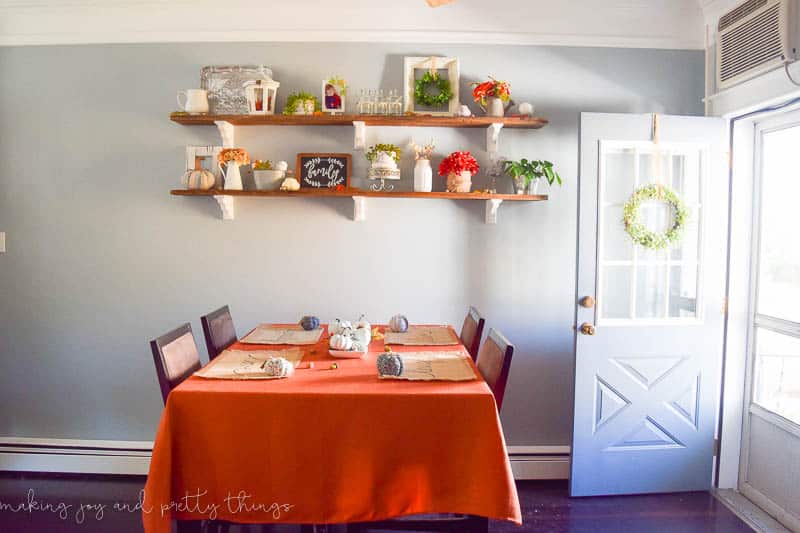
(636, 229)
(423, 95)
(431, 85)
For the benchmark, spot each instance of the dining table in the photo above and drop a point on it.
(331, 443)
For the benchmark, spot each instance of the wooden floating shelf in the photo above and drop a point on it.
(349, 193)
(225, 198)
(369, 120)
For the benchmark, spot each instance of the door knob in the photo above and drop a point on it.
(587, 329)
(587, 301)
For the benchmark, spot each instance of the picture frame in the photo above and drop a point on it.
(324, 170)
(335, 102)
(414, 67)
(205, 157)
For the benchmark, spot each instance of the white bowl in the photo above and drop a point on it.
(347, 354)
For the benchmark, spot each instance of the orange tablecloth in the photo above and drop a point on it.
(328, 446)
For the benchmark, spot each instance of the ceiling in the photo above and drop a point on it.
(675, 24)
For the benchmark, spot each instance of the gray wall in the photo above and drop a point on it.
(101, 258)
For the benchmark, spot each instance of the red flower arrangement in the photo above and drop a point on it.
(493, 87)
(458, 162)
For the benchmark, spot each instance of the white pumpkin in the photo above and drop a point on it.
(290, 184)
(279, 367)
(363, 323)
(198, 178)
(282, 165)
(362, 335)
(341, 342)
(359, 347)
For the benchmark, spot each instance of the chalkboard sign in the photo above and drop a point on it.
(323, 170)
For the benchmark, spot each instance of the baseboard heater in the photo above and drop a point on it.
(77, 456)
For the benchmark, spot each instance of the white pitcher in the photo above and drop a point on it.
(195, 101)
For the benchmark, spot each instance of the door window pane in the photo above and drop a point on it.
(777, 383)
(779, 270)
(616, 293)
(651, 292)
(683, 291)
(617, 246)
(618, 182)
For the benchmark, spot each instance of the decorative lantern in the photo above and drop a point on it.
(260, 96)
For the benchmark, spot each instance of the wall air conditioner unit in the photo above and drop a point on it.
(753, 38)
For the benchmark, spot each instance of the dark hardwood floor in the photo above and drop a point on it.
(546, 507)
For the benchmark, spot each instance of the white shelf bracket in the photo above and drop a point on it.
(492, 205)
(226, 205)
(359, 208)
(493, 139)
(226, 131)
(359, 135)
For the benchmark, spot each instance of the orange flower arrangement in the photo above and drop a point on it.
(238, 155)
(493, 87)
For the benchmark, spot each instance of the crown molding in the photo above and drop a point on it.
(605, 23)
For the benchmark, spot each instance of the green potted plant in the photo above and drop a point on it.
(526, 174)
(390, 149)
(301, 103)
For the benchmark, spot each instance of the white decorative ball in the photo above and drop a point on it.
(525, 109)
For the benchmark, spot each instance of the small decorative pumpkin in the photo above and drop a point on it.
(290, 184)
(198, 178)
(279, 367)
(358, 347)
(362, 335)
(363, 323)
(341, 342)
(282, 165)
(390, 364)
(309, 322)
(398, 324)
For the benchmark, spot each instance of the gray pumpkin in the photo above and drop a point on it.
(309, 322)
(398, 324)
(390, 364)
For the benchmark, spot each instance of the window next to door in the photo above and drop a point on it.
(776, 323)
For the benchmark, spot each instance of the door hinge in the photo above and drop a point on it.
(716, 447)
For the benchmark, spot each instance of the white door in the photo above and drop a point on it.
(648, 351)
(770, 458)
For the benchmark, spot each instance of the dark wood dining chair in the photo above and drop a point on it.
(176, 358)
(448, 523)
(471, 331)
(218, 330)
(494, 363)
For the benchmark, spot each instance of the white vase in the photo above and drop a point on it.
(268, 180)
(233, 178)
(495, 107)
(423, 176)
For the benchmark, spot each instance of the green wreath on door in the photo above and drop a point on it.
(641, 234)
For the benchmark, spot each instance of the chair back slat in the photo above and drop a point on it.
(494, 363)
(471, 332)
(176, 358)
(218, 330)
